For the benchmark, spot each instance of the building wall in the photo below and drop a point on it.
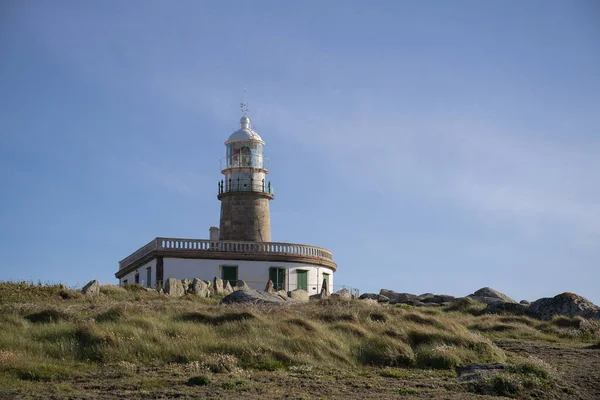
(254, 273)
(130, 278)
(245, 216)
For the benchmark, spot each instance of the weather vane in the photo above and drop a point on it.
(244, 108)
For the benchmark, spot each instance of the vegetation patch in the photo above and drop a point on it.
(47, 316)
(386, 352)
(307, 326)
(201, 380)
(466, 305)
(217, 319)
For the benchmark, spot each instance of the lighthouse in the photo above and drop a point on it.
(241, 247)
(244, 191)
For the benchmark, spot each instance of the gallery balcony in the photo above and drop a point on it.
(227, 186)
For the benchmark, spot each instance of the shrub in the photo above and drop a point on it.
(466, 305)
(216, 320)
(200, 380)
(566, 322)
(438, 357)
(497, 385)
(47, 316)
(384, 351)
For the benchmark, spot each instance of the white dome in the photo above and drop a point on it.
(244, 134)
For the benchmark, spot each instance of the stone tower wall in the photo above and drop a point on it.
(245, 216)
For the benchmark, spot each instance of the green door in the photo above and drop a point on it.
(302, 279)
(277, 275)
(229, 273)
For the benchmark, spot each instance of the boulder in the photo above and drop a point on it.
(299, 294)
(255, 297)
(218, 285)
(199, 288)
(91, 289)
(436, 298)
(174, 287)
(228, 289)
(325, 293)
(395, 297)
(488, 295)
(270, 287)
(568, 304)
(186, 285)
(282, 293)
(241, 285)
(342, 294)
(524, 302)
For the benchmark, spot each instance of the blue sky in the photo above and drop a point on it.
(432, 146)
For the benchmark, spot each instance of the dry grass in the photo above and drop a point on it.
(134, 327)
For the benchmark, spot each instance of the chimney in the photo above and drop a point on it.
(213, 234)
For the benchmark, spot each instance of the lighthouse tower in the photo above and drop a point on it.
(245, 192)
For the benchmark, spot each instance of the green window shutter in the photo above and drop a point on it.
(277, 275)
(302, 279)
(230, 273)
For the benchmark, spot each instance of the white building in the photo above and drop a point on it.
(241, 248)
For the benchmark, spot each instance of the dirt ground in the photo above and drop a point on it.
(578, 369)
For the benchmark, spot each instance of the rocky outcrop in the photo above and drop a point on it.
(524, 302)
(342, 294)
(241, 285)
(174, 287)
(405, 298)
(228, 289)
(324, 294)
(298, 294)
(488, 295)
(199, 288)
(255, 297)
(568, 304)
(374, 296)
(436, 298)
(270, 288)
(218, 285)
(186, 285)
(91, 289)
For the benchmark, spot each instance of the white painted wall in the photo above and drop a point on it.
(142, 271)
(254, 273)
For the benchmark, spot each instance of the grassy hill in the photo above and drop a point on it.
(135, 343)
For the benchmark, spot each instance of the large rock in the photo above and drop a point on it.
(241, 285)
(218, 285)
(488, 295)
(270, 287)
(403, 298)
(324, 294)
(298, 294)
(174, 287)
(375, 297)
(342, 294)
(255, 297)
(186, 285)
(568, 304)
(200, 288)
(436, 298)
(91, 289)
(227, 289)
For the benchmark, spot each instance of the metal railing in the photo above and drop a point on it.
(245, 185)
(228, 246)
(245, 161)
